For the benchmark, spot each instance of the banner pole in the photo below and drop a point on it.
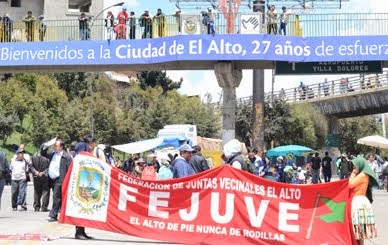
(313, 216)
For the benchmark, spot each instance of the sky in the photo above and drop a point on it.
(202, 82)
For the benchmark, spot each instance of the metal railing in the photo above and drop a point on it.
(298, 25)
(340, 87)
(341, 24)
(346, 86)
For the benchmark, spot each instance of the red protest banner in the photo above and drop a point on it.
(223, 205)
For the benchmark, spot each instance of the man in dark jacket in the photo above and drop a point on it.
(60, 161)
(198, 162)
(39, 164)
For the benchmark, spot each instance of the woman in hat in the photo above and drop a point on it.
(361, 182)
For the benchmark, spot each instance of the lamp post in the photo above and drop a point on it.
(91, 80)
(91, 107)
(383, 122)
(98, 15)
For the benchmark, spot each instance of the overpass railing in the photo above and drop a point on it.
(325, 90)
(170, 25)
(338, 87)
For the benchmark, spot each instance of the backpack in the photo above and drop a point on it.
(239, 158)
(165, 173)
(149, 173)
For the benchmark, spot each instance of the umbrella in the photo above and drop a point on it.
(140, 146)
(374, 141)
(296, 150)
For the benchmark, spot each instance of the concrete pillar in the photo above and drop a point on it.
(333, 125)
(258, 109)
(228, 79)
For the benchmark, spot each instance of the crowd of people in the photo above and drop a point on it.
(341, 86)
(49, 168)
(125, 24)
(116, 27)
(32, 25)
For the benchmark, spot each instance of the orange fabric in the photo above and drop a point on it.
(358, 184)
(230, 13)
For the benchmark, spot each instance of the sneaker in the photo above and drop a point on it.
(14, 209)
(36, 209)
(24, 209)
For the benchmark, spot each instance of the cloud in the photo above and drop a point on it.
(132, 3)
(197, 83)
(187, 87)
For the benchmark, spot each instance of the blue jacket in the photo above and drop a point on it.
(182, 168)
(260, 166)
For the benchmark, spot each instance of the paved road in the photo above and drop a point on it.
(31, 222)
(36, 223)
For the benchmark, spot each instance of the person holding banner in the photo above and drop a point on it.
(80, 233)
(361, 182)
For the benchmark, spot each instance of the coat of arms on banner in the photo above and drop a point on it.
(89, 189)
(191, 24)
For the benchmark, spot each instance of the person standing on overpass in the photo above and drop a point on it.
(30, 21)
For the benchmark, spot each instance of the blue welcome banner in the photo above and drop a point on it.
(196, 47)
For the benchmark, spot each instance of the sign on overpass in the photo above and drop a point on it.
(341, 67)
(333, 140)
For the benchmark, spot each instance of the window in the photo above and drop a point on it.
(79, 5)
(16, 3)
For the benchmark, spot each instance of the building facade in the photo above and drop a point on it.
(51, 9)
(18, 9)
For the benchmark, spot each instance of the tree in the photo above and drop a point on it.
(243, 123)
(75, 84)
(144, 112)
(104, 109)
(276, 117)
(158, 78)
(7, 125)
(74, 120)
(284, 124)
(202, 115)
(47, 105)
(16, 97)
(306, 126)
(352, 129)
(41, 128)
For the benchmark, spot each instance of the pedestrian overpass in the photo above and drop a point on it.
(326, 38)
(361, 95)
